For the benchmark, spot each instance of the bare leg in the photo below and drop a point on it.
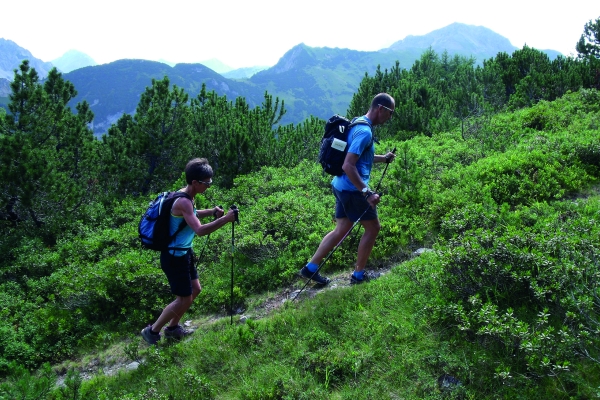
(367, 241)
(332, 239)
(175, 310)
(195, 292)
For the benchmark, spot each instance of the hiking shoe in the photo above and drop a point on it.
(368, 276)
(178, 333)
(315, 276)
(151, 338)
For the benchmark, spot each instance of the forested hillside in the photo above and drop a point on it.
(497, 173)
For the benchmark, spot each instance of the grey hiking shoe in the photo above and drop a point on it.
(368, 276)
(178, 333)
(315, 276)
(151, 338)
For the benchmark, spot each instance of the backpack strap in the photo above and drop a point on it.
(355, 121)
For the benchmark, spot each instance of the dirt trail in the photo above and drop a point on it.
(119, 356)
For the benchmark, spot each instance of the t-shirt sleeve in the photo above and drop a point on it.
(361, 138)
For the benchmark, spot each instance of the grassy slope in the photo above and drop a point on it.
(377, 340)
(373, 341)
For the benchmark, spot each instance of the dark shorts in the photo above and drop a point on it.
(352, 205)
(180, 272)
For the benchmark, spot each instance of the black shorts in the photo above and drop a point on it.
(353, 205)
(180, 272)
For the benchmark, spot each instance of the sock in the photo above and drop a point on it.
(359, 274)
(171, 328)
(312, 267)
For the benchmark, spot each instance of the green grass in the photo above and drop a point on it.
(353, 342)
(378, 340)
(506, 304)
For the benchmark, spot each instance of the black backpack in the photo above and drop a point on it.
(334, 144)
(153, 228)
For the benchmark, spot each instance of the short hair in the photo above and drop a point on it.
(384, 99)
(198, 170)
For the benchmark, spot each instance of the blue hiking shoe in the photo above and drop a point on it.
(368, 276)
(315, 276)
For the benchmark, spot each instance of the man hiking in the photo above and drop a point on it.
(353, 198)
(177, 263)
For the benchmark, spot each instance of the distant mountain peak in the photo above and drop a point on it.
(216, 65)
(458, 38)
(72, 60)
(11, 56)
(296, 56)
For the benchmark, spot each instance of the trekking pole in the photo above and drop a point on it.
(387, 164)
(235, 210)
(206, 241)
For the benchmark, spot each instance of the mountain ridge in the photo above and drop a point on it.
(477, 40)
(11, 56)
(317, 81)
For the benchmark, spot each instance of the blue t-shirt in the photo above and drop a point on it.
(360, 138)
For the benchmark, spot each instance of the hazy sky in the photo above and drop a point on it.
(244, 33)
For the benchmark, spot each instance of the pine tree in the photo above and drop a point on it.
(46, 158)
(589, 42)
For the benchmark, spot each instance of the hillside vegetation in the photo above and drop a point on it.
(506, 304)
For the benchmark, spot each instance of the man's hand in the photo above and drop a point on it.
(373, 199)
(389, 157)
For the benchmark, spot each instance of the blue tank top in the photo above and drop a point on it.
(184, 239)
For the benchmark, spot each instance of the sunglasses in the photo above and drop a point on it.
(387, 108)
(206, 183)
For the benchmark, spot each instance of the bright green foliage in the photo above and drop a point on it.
(439, 93)
(441, 185)
(23, 385)
(525, 282)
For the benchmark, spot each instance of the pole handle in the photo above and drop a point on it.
(236, 211)
(387, 160)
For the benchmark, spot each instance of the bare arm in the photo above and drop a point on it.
(210, 212)
(184, 208)
(384, 158)
(349, 168)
